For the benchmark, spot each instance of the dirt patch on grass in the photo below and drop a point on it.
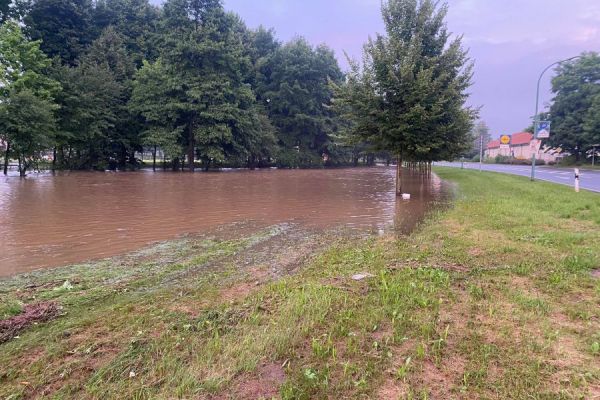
(238, 291)
(440, 382)
(384, 333)
(393, 389)
(32, 313)
(263, 384)
(596, 273)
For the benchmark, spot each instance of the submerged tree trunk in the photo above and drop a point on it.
(22, 167)
(6, 158)
(54, 159)
(399, 176)
(154, 159)
(191, 147)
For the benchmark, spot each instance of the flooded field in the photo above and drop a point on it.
(48, 221)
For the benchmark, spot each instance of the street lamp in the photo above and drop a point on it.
(537, 105)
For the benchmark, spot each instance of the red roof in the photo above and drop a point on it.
(520, 139)
(494, 144)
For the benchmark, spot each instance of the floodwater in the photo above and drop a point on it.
(52, 220)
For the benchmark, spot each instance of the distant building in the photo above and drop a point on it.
(493, 149)
(522, 147)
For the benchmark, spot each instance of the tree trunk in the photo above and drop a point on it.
(191, 147)
(54, 159)
(399, 176)
(154, 159)
(69, 155)
(252, 162)
(62, 156)
(22, 167)
(6, 158)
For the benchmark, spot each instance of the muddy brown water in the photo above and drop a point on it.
(53, 220)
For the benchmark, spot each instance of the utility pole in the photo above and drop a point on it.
(480, 150)
(537, 105)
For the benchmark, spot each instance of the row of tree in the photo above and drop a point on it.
(188, 79)
(94, 82)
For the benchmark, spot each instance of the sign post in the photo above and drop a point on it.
(505, 144)
(543, 131)
(537, 107)
(576, 180)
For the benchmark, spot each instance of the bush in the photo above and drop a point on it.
(287, 158)
(516, 161)
(502, 159)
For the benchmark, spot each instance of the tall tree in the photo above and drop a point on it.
(90, 103)
(109, 52)
(294, 85)
(64, 27)
(23, 68)
(28, 124)
(135, 21)
(151, 100)
(206, 65)
(480, 138)
(409, 95)
(576, 87)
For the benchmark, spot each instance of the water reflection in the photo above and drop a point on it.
(50, 220)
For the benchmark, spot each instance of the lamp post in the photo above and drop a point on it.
(537, 105)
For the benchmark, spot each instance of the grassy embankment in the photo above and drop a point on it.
(492, 298)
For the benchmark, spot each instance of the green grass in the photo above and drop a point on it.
(491, 298)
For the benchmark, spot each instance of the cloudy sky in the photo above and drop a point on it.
(511, 41)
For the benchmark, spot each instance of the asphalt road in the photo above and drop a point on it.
(588, 179)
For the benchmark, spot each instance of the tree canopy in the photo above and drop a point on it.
(192, 82)
(408, 95)
(576, 105)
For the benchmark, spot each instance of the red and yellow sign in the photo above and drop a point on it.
(505, 139)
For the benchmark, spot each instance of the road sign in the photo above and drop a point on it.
(505, 139)
(535, 145)
(504, 147)
(543, 130)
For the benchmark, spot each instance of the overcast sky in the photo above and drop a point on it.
(511, 41)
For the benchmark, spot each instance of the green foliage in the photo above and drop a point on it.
(576, 106)
(27, 121)
(408, 97)
(64, 27)
(88, 115)
(22, 64)
(191, 81)
(293, 82)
